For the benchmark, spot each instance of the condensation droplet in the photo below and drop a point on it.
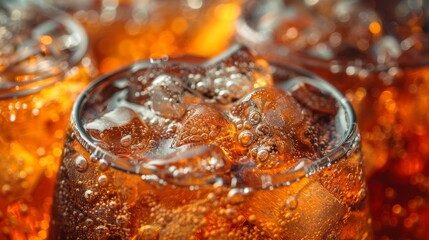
(93, 158)
(235, 197)
(81, 164)
(126, 141)
(292, 203)
(103, 165)
(245, 138)
(103, 180)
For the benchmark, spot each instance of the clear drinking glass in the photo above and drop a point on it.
(43, 67)
(218, 150)
(124, 31)
(376, 53)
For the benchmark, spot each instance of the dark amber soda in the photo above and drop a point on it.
(43, 67)
(218, 150)
(379, 61)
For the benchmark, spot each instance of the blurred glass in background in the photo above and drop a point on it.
(377, 54)
(124, 31)
(43, 67)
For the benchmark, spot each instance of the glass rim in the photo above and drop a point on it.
(37, 83)
(263, 44)
(347, 144)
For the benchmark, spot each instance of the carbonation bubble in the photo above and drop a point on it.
(126, 141)
(121, 220)
(254, 118)
(113, 204)
(6, 189)
(230, 213)
(263, 130)
(103, 180)
(292, 203)
(102, 232)
(89, 221)
(89, 195)
(245, 138)
(263, 155)
(81, 164)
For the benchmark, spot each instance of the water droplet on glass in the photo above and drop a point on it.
(292, 203)
(126, 141)
(89, 195)
(235, 197)
(81, 164)
(103, 180)
(103, 165)
(94, 158)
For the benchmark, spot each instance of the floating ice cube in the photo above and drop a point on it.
(268, 121)
(192, 165)
(122, 132)
(230, 77)
(164, 94)
(312, 98)
(204, 124)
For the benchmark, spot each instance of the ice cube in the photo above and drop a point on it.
(230, 77)
(314, 99)
(303, 210)
(163, 93)
(122, 132)
(268, 121)
(192, 165)
(204, 124)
